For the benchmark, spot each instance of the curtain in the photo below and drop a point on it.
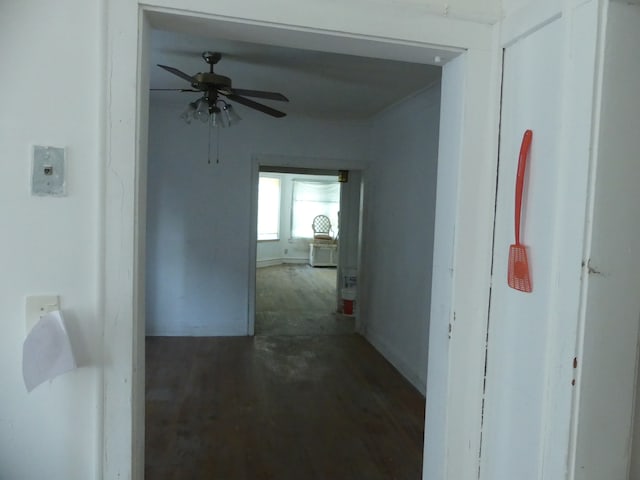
(311, 198)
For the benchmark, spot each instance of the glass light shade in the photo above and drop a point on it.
(188, 113)
(223, 121)
(219, 115)
(230, 114)
(202, 113)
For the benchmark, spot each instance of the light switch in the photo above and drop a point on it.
(48, 175)
(39, 305)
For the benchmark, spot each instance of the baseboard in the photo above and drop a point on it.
(295, 260)
(409, 372)
(270, 262)
(194, 332)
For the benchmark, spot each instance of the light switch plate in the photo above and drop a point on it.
(48, 175)
(38, 305)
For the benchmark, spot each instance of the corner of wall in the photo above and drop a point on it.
(397, 360)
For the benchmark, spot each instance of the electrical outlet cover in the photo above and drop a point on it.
(48, 175)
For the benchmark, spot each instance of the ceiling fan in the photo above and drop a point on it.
(213, 86)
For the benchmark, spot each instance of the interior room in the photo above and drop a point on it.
(520, 385)
(376, 121)
(297, 287)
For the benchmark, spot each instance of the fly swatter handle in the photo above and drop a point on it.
(522, 166)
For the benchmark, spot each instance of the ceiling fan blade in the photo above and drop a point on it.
(259, 94)
(180, 74)
(174, 90)
(255, 105)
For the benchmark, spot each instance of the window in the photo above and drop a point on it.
(311, 198)
(268, 208)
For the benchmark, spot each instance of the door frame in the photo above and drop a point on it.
(464, 208)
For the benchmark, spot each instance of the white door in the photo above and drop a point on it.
(519, 325)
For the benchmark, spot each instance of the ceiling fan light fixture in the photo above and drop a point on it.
(188, 113)
(202, 112)
(230, 115)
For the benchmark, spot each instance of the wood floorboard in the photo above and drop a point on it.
(279, 407)
(306, 398)
(293, 299)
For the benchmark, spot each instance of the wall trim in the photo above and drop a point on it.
(270, 262)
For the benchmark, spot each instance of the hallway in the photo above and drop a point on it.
(306, 398)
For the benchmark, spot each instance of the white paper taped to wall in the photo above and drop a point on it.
(46, 352)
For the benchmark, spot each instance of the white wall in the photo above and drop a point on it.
(482, 10)
(51, 95)
(198, 235)
(399, 210)
(287, 249)
(609, 359)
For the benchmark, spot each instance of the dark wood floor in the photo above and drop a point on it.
(279, 406)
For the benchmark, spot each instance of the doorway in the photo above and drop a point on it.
(121, 233)
(297, 286)
(196, 227)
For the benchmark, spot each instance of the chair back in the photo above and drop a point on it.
(321, 228)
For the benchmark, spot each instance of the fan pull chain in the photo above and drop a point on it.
(217, 145)
(209, 144)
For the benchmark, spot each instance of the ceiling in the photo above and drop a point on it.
(318, 84)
